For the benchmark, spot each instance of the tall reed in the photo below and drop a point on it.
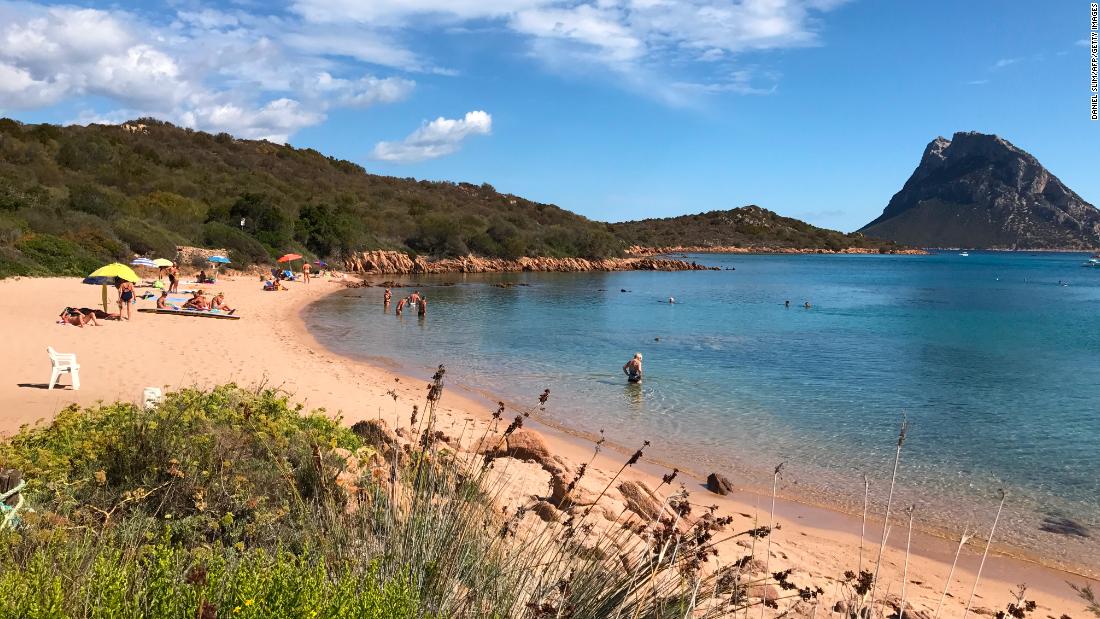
(985, 553)
(889, 504)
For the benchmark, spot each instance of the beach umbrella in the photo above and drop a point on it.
(162, 262)
(216, 260)
(143, 262)
(108, 275)
(289, 258)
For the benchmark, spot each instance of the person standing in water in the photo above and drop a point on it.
(633, 369)
(787, 304)
(386, 298)
(422, 307)
(400, 306)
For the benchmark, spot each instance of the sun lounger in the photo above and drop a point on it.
(203, 314)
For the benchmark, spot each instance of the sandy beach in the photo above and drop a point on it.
(271, 345)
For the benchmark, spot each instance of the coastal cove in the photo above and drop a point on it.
(721, 396)
(274, 344)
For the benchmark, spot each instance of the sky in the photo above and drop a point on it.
(615, 109)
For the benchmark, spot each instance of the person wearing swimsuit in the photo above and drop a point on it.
(125, 298)
(633, 369)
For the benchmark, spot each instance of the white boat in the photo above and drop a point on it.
(965, 253)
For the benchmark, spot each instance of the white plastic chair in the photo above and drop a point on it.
(152, 396)
(63, 362)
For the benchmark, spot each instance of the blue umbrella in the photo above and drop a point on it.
(219, 259)
(143, 262)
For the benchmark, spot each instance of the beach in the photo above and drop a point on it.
(272, 346)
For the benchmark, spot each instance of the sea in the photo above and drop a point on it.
(990, 360)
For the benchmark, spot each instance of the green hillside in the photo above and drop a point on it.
(74, 197)
(747, 226)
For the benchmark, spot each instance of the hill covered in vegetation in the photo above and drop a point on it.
(73, 197)
(747, 226)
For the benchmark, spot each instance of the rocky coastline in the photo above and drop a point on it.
(717, 249)
(399, 263)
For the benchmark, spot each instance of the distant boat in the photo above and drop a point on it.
(965, 253)
(1092, 262)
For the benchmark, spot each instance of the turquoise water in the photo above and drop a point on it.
(993, 362)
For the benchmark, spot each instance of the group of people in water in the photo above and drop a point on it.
(413, 300)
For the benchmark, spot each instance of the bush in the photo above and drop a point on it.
(145, 238)
(208, 454)
(12, 228)
(13, 263)
(243, 249)
(226, 503)
(95, 201)
(58, 256)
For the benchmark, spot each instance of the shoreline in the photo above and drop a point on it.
(932, 535)
(272, 345)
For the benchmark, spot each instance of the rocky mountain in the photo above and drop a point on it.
(979, 191)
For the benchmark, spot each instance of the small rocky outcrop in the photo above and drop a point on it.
(641, 500)
(719, 484)
(398, 263)
(980, 191)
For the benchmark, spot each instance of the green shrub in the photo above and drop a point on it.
(226, 503)
(95, 201)
(12, 228)
(57, 255)
(226, 465)
(14, 263)
(175, 212)
(146, 238)
(243, 249)
(120, 577)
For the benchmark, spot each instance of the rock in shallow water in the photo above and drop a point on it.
(719, 484)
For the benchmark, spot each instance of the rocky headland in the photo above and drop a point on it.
(399, 263)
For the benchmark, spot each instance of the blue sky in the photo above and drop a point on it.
(616, 109)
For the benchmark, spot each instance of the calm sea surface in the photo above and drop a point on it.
(994, 359)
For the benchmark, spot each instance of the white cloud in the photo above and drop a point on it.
(365, 91)
(206, 69)
(1004, 62)
(275, 121)
(440, 137)
(651, 46)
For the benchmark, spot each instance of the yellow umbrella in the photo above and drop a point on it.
(107, 275)
(162, 262)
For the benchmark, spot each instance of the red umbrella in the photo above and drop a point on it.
(289, 257)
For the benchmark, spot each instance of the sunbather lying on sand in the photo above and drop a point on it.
(274, 284)
(76, 317)
(218, 303)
